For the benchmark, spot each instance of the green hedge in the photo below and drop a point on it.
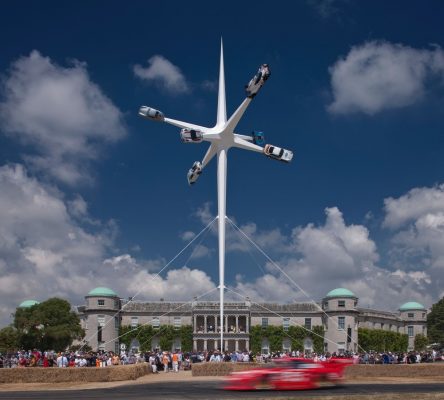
(166, 334)
(381, 340)
(276, 336)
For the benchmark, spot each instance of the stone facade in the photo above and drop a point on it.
(338, 313)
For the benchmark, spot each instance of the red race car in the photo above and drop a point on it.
(290, 374)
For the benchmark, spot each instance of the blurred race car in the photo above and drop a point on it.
(289, 374)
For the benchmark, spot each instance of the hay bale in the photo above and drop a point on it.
(395, 370)
(84, 374)
(221, 368)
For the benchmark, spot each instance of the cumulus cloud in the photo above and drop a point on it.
(59, 114)
(163, 73)
(46, 251)
(418, 242)
(417, 203)
(379, 75)
(44, 245)
(334, 254)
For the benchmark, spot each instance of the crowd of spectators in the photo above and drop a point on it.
(164, 361)
(47, 359)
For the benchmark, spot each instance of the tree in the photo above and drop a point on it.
(421, 342)
(9, 339)
(48, 325)
(435, 323)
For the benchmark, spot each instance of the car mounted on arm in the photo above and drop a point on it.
(191, 135)
(151, 113)
(257, 81)
(278, 153)
(223, 131)
(194, 172)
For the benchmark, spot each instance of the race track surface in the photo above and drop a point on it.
(211, 390)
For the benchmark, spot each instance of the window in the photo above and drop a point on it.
(326, 305)
(101, 320)
(265, 348)
(177, 344)
(341, 347)
(285, 323)
(308, 324)
(286, 344)
(382, 325)
(155, 322)
(99, 334)
(264, 322)
(101, 302)
(116, 303)
(411, 315)
(341, 323)
(177, 322)
(410, 331)
(116, 347)
(423, 314)
(134, 322)
(116, 322)
(341, 303)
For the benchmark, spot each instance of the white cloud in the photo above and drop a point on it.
(43, 245)
(178, 284)
(413, 205)
(61, 113)
(163, 73)
(333, 255)
(379, 75)
(419, 241)
(44, 252)
(187, 236)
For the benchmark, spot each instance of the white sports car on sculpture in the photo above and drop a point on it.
(278, 153)
(194, 172)
(258, 81)
(151, 113)
(191, 135)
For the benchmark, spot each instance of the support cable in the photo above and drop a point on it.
(289, 278)
(153, 277)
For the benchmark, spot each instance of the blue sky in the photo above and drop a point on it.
(93, 195)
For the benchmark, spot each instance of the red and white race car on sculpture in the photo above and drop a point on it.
(290, 374)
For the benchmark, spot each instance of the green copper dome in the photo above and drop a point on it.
(28, 303)
(340, 292)
(102, 291)
(411, 305)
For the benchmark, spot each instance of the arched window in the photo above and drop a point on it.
(286, 344)
(265, 347)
